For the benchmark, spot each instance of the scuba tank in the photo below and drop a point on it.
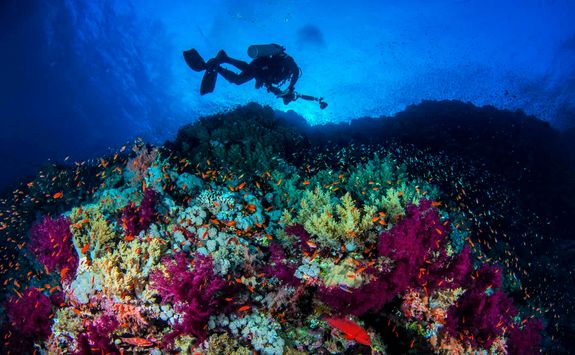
(264, 50)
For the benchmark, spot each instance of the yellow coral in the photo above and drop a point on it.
(67, 326)
(340, 221)
(223, 344)
(128, 266)
(343, 273)
(90, 230)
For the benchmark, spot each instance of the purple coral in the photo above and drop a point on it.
(51, 244)
(278, 266)
(413, 237)
(409, 244)
(96, 338)
(527, 340)
(30, 315)
(196, 293)
(483, 312)
(137, 219)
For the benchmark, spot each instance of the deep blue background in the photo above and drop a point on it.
(80, 76)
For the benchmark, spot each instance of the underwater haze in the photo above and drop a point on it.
(414, 193)
(81, 76)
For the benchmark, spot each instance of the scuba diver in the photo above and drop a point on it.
(271, 67)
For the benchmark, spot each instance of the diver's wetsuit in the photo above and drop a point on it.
(268, 71)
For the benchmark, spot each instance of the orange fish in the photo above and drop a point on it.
(350, 329)
(138, 341)
(58, 195)
(85, 248)
(243, 308)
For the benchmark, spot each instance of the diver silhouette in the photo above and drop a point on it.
(271, 67)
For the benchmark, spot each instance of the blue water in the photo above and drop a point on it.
(78, 77)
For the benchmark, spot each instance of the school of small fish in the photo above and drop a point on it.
(58, 189)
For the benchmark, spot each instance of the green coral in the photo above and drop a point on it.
(334, 221)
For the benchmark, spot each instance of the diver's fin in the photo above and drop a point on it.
(209, 80)
(194, 60)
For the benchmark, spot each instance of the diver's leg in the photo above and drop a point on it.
(234, 78)
(240, 64)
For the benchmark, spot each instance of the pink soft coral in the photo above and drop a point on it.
(195, 292)
(410, 245)
(137, 219)
(30, 315)
(51, 244)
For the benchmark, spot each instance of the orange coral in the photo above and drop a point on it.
(129, 316)
(138, 166)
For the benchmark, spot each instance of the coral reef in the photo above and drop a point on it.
(248, 234)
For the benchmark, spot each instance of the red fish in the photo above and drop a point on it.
(138, 341)
(350, 329)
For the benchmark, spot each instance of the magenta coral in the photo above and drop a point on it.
(97, 337)
(525, 341)
(279, 267)
(136, 219)
(196, 293)
(30, 315)
(410, 244)
(51, 244)
(483, 312)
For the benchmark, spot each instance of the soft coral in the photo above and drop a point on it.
(194, 292)
(51, 244)
(30, 319)
(409, 244)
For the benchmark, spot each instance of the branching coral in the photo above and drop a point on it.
(336, 221)
(410, 245)
(483, 312)
(91, 230)
(137, 168)
(67, 325)
(127, 267)
(51, 244)
(525, 340)
(194, 292)
(97, 335)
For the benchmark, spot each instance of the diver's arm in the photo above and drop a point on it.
(294, 74)
(274, 90)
